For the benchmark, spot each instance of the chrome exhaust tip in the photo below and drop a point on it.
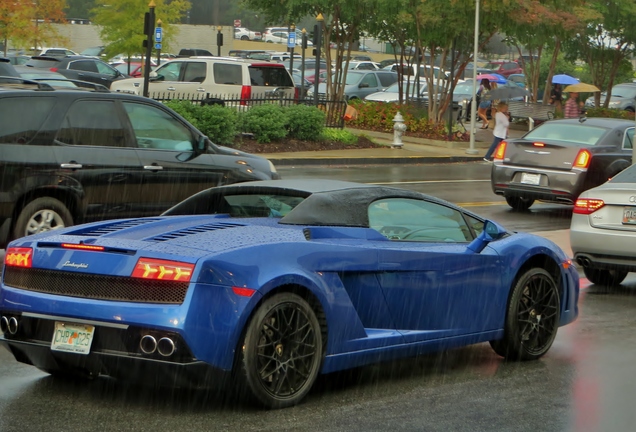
(166, 347)
(148, 344)
(13, 325)
(4, 325)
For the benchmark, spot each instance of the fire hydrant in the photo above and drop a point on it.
(398, 129)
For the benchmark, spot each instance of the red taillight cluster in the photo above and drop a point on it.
(246, 94)
(149, 268)
(83, 247)
(500, 152)
(587, 206)
(583, 159)
(18, 257)
(53, 69)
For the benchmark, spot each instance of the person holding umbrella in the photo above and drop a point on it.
(572, 106)
(484, 102)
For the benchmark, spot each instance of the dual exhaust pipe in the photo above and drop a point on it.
(164, 346)
(8, 325)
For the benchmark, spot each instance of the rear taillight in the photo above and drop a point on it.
(149, 268)
(246, 94)
(583, 159)
(83, 247)
(53, 69)
(587, 206)
(18, 257)
(500, 152)
(296, 93)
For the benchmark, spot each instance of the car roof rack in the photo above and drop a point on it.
(81, 84)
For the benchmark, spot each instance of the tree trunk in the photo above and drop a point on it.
(553, 60)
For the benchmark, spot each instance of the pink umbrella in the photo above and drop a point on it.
(490, 77)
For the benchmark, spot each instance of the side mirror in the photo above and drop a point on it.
(492, 231)
(202, 144)
(363, 85)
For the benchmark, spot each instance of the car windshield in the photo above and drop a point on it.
(464, 88)
(567, 134)
(238, 205)
(352, 78)
(628, 92)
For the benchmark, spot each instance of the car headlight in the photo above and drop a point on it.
(272, 168)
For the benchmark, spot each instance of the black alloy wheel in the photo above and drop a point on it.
(282, 351)
(532, 318)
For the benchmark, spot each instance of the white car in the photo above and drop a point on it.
(244, 33)
(392, 95)
(362, 65)
(57, 52)
(282, 37)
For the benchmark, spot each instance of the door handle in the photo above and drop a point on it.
(71, 165)
(80, 75)
(171, 89)
(153, 167)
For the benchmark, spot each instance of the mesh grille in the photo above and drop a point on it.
(91, 286)
(111, 227)
(194, 230)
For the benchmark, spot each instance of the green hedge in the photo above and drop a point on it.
(304, 122)
(609, 112)
(218, 123)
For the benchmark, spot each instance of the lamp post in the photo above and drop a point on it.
(219, 40)
(303, 45)
(149, 21)
(317, 44)
(473, 105)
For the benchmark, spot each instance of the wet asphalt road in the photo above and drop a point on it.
(587, 382)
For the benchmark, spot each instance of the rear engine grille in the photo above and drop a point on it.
(116, 288)
(112, 227)
(194, 230)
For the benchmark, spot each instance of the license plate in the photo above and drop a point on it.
(629, 215)
(531, 179)
(72, 337)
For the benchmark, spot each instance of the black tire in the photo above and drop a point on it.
(42, 214)
(604, 276)
(519, 203)
(532, 318)
(279, 364)
(244, 38)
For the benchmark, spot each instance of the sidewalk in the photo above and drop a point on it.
(414, 150)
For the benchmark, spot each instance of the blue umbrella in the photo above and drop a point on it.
(564, 79)
(500, 78)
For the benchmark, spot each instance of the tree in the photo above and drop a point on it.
(43, 13)
(79, 8)
(122, 23)
(14, 22)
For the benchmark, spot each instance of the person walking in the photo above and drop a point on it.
(484, 102)
(500, 131)
(556, 97)
(572, 106)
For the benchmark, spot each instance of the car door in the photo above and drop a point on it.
(433, 286)
(172, 169)
(166, 84)
(368, 84)
(93, 151)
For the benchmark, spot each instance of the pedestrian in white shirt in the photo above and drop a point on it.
(500, 132)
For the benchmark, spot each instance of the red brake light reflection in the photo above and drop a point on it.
(243, 292)
(148, 268)
(586, 206)
(82, 247)
(18, 257)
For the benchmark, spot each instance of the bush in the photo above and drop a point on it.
(304, 122)
(267, 122)
(609, 112)
(340, 135)
(217, 122)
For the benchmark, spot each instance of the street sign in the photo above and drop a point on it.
(237, 23)
(291, 40)
(158, 34)
(158, 46)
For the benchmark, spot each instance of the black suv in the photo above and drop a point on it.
(79, 68)
(88, 155)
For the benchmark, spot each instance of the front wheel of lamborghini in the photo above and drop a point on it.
(282, 351)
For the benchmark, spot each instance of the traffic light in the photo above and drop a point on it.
(314, 35)
(149, 29)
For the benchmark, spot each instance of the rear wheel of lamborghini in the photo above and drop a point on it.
(519, 203)
(532, 318)
(282, 350)
(603, 276)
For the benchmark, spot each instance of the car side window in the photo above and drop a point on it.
(370, 79)
(154, 128)
(92, 123)
(104, 69)
(418, 220)
(169, 72)
(628, 139)
(83, 65)
(195, 72)
(386, 79)
(227, 73)
(17, 128)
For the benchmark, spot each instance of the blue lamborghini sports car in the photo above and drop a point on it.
(272, 283)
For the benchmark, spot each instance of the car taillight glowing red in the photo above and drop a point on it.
(149, 268)
(296, 93)
(583, 159)
(82, 247)
(246, 94)
(587, 206)
(18, 257)
(53, 69)
(500, 152)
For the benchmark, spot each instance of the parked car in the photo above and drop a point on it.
(56, 52)
(362, 65)
(97, 51)
(246, 53)
(623, 97)
(220, 77)
(79, 68)
(504, 68)
(193, 52)
(282, 36)
(18, 59)
(392, 93)
(244, 33)
(310, 65)
(93, 155)
(518, 79)
(276, 282)
(136, 69)
(7, 69)
(360, 84)
(53, 79)
(603, 228)
(560, 159)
